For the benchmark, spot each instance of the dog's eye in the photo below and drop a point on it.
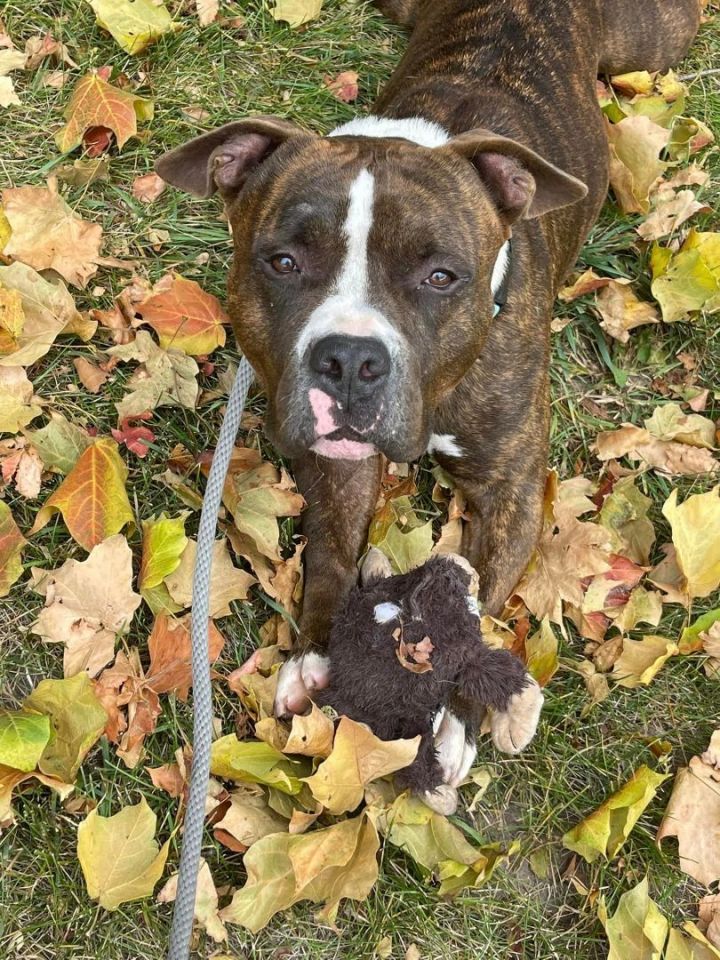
(440, 279)
(283, 263)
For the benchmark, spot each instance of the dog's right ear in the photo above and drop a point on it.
(224, 158)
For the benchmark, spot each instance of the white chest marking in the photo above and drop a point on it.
(417, 129)
(444, 443)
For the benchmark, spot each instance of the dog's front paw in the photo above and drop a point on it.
(454, 754)
(513, 729)
(443, 799)
(298, 679)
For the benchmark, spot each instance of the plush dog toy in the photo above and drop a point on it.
(403, 646)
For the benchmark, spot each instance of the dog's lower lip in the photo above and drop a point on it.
(343, 449)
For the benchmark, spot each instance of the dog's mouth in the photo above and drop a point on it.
(345, 443)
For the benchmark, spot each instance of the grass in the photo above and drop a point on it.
(574, 762)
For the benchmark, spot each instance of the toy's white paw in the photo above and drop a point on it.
(299, 678)
(443, 799)
(513, 729)
(455, 755)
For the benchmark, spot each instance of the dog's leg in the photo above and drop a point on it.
(646, 34)
(402, 12)
(341, 496)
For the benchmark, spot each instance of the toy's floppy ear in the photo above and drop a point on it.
(375, 566)
(522, 184)
(224, 158)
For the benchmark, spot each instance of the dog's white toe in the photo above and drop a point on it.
(443, 799)
(513, 729)
(299, 678)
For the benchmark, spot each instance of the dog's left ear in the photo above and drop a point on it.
(522, 184)
(224, 158)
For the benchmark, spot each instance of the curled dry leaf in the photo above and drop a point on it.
(47, 308)
(621, 311)
(635, 165)
(693, 815)
(38, 49)
(247, 819)
(251, 761)
(85, 609)
(48, 235)
(119, 856)
(670, 212)
(637, 921)
(624, 514)
(207, 11)
(9, 60)
(90, 374)
(92, 498)
(11, 778)
(96, 103)
(343, 86)
(586, 283)
(23, 466)
(603, 833)
(184, 316)
(124, 685)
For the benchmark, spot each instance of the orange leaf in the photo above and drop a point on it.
(170, 653)
(96, 103)
(184, 316)
(92, 499)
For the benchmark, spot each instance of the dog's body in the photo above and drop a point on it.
(367, 264)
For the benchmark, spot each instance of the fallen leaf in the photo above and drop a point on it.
(670, 212)
(668, 422)
(404, 538)
(164, 541)
(624, 514)
(170, 778)
(603, 832)
(12, 320)
(90, 374)
(343, 86)
(23, 738)
(164, 377)
(119, 857)
(134, 24)
(38, 49)
(96, 103)
(688, 280)
(635, 147)
(207, 11)
(59, 443)
(184, 316)
(86, 609)
(148, 187)
(47, 307)
(693, 815)
(541, 650)
(696, 947)
(256, 493)
(311, 735)
(709, 918)
(12, 544)
(206, 901)
(641, 660)
(621, 311)
(331, 864)
(92, 498)
(80, 173)
(169, 646)
(227, 582)
(358, 757)
(254, 762)
(77, 719)
(9, 60)
(692, 639)
(248, 819)
(637, 929)
(585, 283)
(667, 456)
(124, 685)
(296, 12)
(595, 683)
(18, 406)
(48, 235)
(696, 537)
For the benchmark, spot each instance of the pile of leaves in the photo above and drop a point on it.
(308, 804)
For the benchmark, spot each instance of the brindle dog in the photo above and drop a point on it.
(367, 264)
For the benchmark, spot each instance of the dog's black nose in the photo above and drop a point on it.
(350, 368)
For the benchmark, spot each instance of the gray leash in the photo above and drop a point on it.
(202, 691)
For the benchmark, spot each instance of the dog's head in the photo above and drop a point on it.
(360, 289)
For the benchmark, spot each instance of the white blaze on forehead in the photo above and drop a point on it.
(416, 129)
(347, 310)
